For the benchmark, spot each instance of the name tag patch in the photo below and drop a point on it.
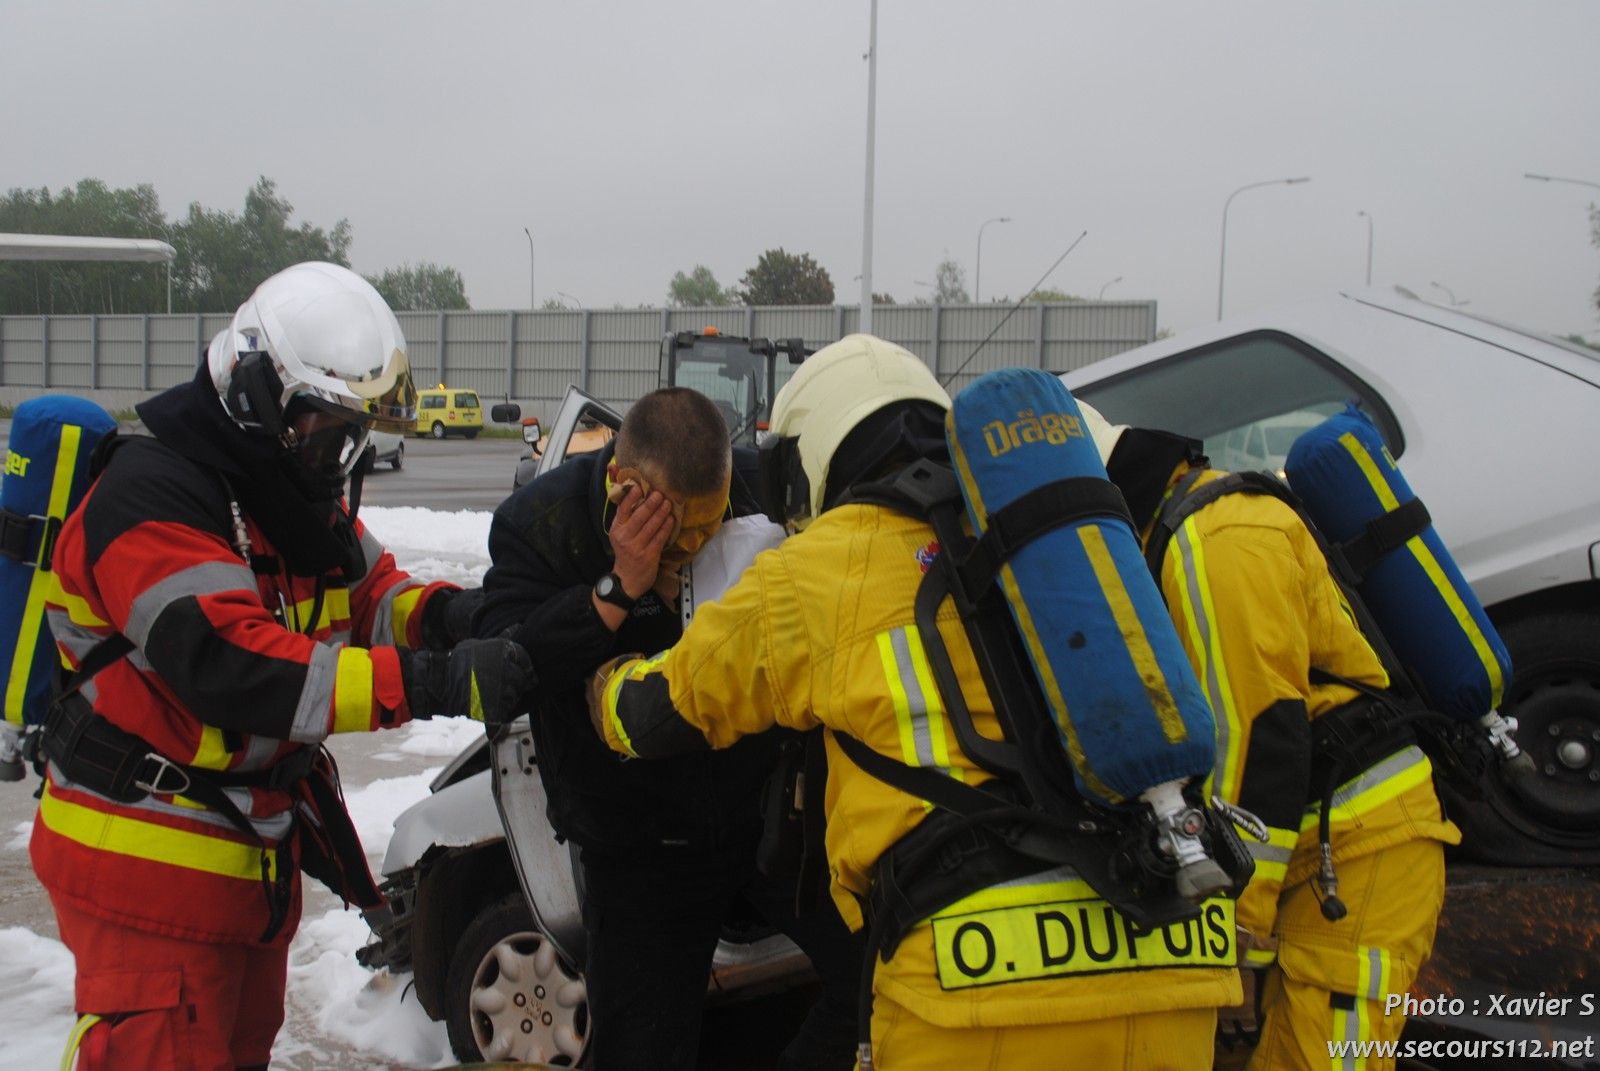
(1063, 937)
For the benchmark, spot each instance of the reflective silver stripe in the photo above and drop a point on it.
(316, 696)
(1352, 1034)
(207, 578)
(1398, 763)
(1213, 684)
(1044, 877)
(79, 641)
(371, 549)
(340, 638)
(258, 752)
(274, 828)
(1375, 974)
(916, 702)
(383, 618)
(1268, 853)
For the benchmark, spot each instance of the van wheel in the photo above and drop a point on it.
(509, 996)
(471, 433)
(437, 431)
(399, 458)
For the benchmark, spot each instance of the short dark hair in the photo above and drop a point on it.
(681, 433)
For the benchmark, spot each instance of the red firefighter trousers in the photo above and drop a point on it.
(166, 1004)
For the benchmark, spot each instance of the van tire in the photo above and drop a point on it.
(437, 431)
(399, 458)
(471, 433)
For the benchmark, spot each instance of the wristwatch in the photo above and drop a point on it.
(609, 589)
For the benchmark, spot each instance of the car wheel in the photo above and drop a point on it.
(437, 431)
(399, 458)
(1555, 696)
(1550, 816)
(509, 996)
(471, 433)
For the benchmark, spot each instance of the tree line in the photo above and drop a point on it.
(221, 254)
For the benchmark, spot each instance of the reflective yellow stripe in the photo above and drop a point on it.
(335, 607)
(404, 605)
(352, 692)
(78, 609)
(1373, 977)
(75, 1039)
(211, 754)
(897, 696)
(919, 715)
(1399, 773)
(612, 691)
(633, 670)
(122, 835)
(33, 611)
(1133, 634)
(1200, 619)
(1419, 549)
(1260, 957)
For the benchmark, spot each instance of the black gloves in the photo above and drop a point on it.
(447, 618)
(486, 680)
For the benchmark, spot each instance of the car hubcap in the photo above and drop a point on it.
(527, 1006)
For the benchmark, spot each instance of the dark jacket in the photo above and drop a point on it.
(548, 546)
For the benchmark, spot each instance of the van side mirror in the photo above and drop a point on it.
(531, 431)
(506, 413)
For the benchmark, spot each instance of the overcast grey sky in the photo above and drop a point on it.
(635, 139)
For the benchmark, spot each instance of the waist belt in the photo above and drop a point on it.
(1352, 738)
(92, 752)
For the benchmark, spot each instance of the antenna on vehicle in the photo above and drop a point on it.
(946, 380)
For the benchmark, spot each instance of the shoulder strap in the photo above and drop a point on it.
(1186, 500)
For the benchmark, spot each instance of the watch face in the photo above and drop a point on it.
(607, 586)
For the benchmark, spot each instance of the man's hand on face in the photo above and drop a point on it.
(643, 526)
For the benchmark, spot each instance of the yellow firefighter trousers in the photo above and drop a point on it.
(1158, 1041)
(1331, 978)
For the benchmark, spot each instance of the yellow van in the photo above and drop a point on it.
(442, 411)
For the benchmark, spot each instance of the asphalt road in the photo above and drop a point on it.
(448, 474)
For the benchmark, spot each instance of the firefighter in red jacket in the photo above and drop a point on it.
(219, 613)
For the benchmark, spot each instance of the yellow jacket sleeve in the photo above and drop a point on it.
(734, 672)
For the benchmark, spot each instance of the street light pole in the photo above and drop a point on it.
(1552, 178)
(1113, 282)
(1222, 265)
(531, 305)
(872, 135)
(977, 278)
(1363, 212)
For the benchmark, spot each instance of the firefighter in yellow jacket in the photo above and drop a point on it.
(1026, 971)
(1267, 630)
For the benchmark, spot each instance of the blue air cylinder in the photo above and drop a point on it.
(46, 475)
(1352, 489)
(1130, 713)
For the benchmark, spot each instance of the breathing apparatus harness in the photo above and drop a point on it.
(1354, 737)
(1029, 817)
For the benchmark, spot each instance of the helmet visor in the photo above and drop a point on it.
(389, 395)
(325, 439)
